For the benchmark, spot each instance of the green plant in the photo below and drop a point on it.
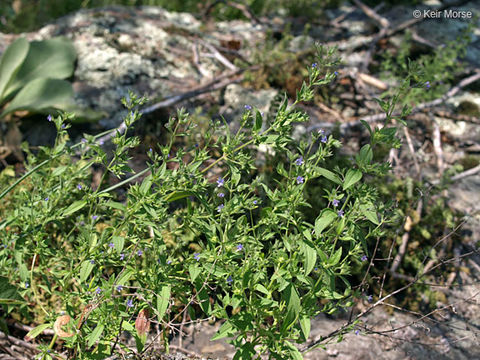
(31, 76)
(233, 246)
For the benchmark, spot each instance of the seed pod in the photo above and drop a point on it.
(142, 324)
(61, 321)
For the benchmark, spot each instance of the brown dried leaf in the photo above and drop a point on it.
(61, 321)
(142, 324)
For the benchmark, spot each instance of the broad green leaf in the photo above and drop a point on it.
(37, 330)
(53, 58)
(115, 205)
(85, 270)
(326, 217)
(163, 299)
(226, 330)
(95, 335)
(292, 300)
(329, 175)
(124, 277)
(352, 177)
(305, 327)
(74, 207)
(295, 354)
(262, 289)
(369, 211)
(11, 62)
(119, 242)
(310, 258)
(194, 270)
(9, 293)
(335, 259)
(41, 95)
(258, 121)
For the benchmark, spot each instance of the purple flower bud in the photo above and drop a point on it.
(169, 262)
(370, 298)
(221, 195)
(63, 126)
(130, 303)
(119, 287)
(300, 179)
(324, 139)
(94, 217)
(196, 256)
(335, 202)
(46, 199)
(220, 182)
(357, 332)
(98, 291)
(427, 84)
(49, 118)
(92, 262)
(239, 247)
(27, 284)
(220, 207)
(299, 161)
(364, 258)
(139, 252)
(79, 187)
(229, 280)
(336, 73)
(314, 65)
(254, 202)
(248, 107)
(340, 213)
(122, 256)
(112, 245)
(84, 140)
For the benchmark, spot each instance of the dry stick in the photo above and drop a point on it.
(372, 14)
(437, 147)
(19, 342)
(378, 117)
(412, 151)
(196, 61)
(460, 176)
(217, 55)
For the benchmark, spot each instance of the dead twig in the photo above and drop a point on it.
(437, 147)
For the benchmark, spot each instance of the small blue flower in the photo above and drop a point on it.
(357, 332)
(139, 252)
(169, 262)
(370, 298)
(248, 107)
(324, 139)
(239, 247)
(47, 198)
(300, 179)
(84, 140)
(221, 195)
(27, 284)
(49, 118)
(82, 223)
(101, 142)
(130, 303)
(79, 187)
(150, 150)
(315, 269)
(122, 256)
(364, 258)
(336, 73)
(255, 202)
(321, 132)
(94, 217)
(196, 256)
(340, 213)
(220, 182)
(92, 262)
(335, 202)
(229, 280)
(220, 207)
(112, 245)
(98, 291)
(119, 287)
(427, 84)
(63, 126)
(299, 161)
(314, 65)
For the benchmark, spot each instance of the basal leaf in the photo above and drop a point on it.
(11, 62)
(41, 95)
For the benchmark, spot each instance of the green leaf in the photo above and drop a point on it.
(115, 205)
(11, 62)
(329, 175)
(41, 95)
(37, 330)
(326, 217)
(194, 270)
(124, 277)
(74, 207)
(53, 59)
(258, 121)
(262, 289)
(310, 258)
(295, 354)
(162, 301)
(352, 177)
(8, 293)
(369, 211)
(85, 270)
(95, 335)
(292, 300)
(305, 327)
(119, 242)
(226, 330)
